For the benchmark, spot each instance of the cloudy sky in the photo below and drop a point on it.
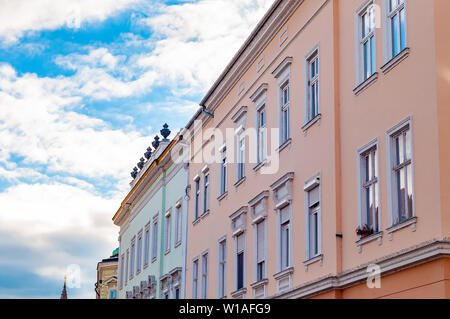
(84, 87)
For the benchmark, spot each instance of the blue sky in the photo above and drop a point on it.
(84, 87)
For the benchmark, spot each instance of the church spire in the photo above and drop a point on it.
(64, 291)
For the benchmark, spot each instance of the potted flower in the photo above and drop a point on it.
(364, 231)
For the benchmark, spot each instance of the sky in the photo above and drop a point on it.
(84, 87)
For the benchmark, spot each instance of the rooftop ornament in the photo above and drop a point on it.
(148, 154)
(134, 173)
(155, 143)
(141, 163)
(165, 132)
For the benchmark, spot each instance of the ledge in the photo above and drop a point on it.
(318, 258)
(195, 222)
(222, 196)
(260, 283)
(285, 144)
(365, 84)
(284, 273)
(363, 241)
(395, 61)
(178, 244)
(409, 222)
(204, 214)
(259, 165)
(239, 182)
(311, 122)
(239, 293)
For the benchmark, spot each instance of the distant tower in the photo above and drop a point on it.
(64, 291)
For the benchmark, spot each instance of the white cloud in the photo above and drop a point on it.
(20, 16)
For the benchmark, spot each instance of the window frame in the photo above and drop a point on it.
(197, 194)
(168, 231)
(204, 281)
(362, 184)
(222, 268)
(388, 14)
(178, 223)
(195, 271)
(361, 73)
(405, 125)
(313, 55)
(264, 259)
(223, 171)
(310, 185)
(139, 253)
(155, 238)
(206, 191)
(237, 253)
(147, 245)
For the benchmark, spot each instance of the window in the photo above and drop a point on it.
(222, 267)
(369, 210)
(139, 253)
(195, 279)
(146, 245)
(401, 174)
(204, 276)
(177, 293)
(313, 230)
(126, 269)
(366, 50)
(197, 199)
(397, 26)
(260, 251)
(206, 192)
(223, 172)
(285, 99)
(155, 239)
(121, 271)
(240, 249)
(167, 232)
(132, 258)
(285, 228)
(261, 126)
(240, 167)
(312, 93)
(178, 224)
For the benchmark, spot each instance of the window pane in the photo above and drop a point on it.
(372, 55)
(399, 146)
(401, 194)
(408, 154)
(395, 35)
(240, 270)
(313, 101)
(364, 25)
(402, 29)
(377, 196)
(410, 189)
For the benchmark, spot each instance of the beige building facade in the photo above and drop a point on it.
(329, 177)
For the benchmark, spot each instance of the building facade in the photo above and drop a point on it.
(152, 220)
(106, 286)
(330, 143)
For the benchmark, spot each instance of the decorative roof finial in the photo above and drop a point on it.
(165, 132)
(155, 143)
(141, 163)
(148, 154)
(134, 173)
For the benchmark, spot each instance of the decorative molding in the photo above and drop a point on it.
(313, 260)
(409, 222)
(286, 63)
(365, 84)
(241, 112)
(363, 241)
(259, 91)
(311, 122)
(395, 61)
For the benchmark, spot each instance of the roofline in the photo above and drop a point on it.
(143, 177)
(239, 54)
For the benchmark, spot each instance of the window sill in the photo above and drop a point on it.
(316, 259)
(259, 165)
(167, 252)
(195, 222)
(285, 144)
(395, 61)
(365, 84)
(205, 214)
(138, 272)
(364, 241)
(284, 273)
(311, 122)
(260, 283)
(239, 293)
(222, 196)
(153, 260)
(178, 244)
(239, 182)
(145, 266)
(409, 222)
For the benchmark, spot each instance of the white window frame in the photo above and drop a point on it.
(261, 146)
(361, 74)
(391, 167)
(204, 281)
(127, 267)
(155, 238)
(195, 272)
(283, 73)
(132, 257)
(237, 252)
(264, 259)
(222, 268)
(197, 198)
(147, 245)
(206, 191)
(240, 153)
(178, 223)
(122, 264)
(168, 230)
(362, 184)
(310, 185)
(223, 171)
(139, 253)
(313, 55)
(388, 14)
(281, 227)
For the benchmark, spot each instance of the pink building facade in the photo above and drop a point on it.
(330, 143)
